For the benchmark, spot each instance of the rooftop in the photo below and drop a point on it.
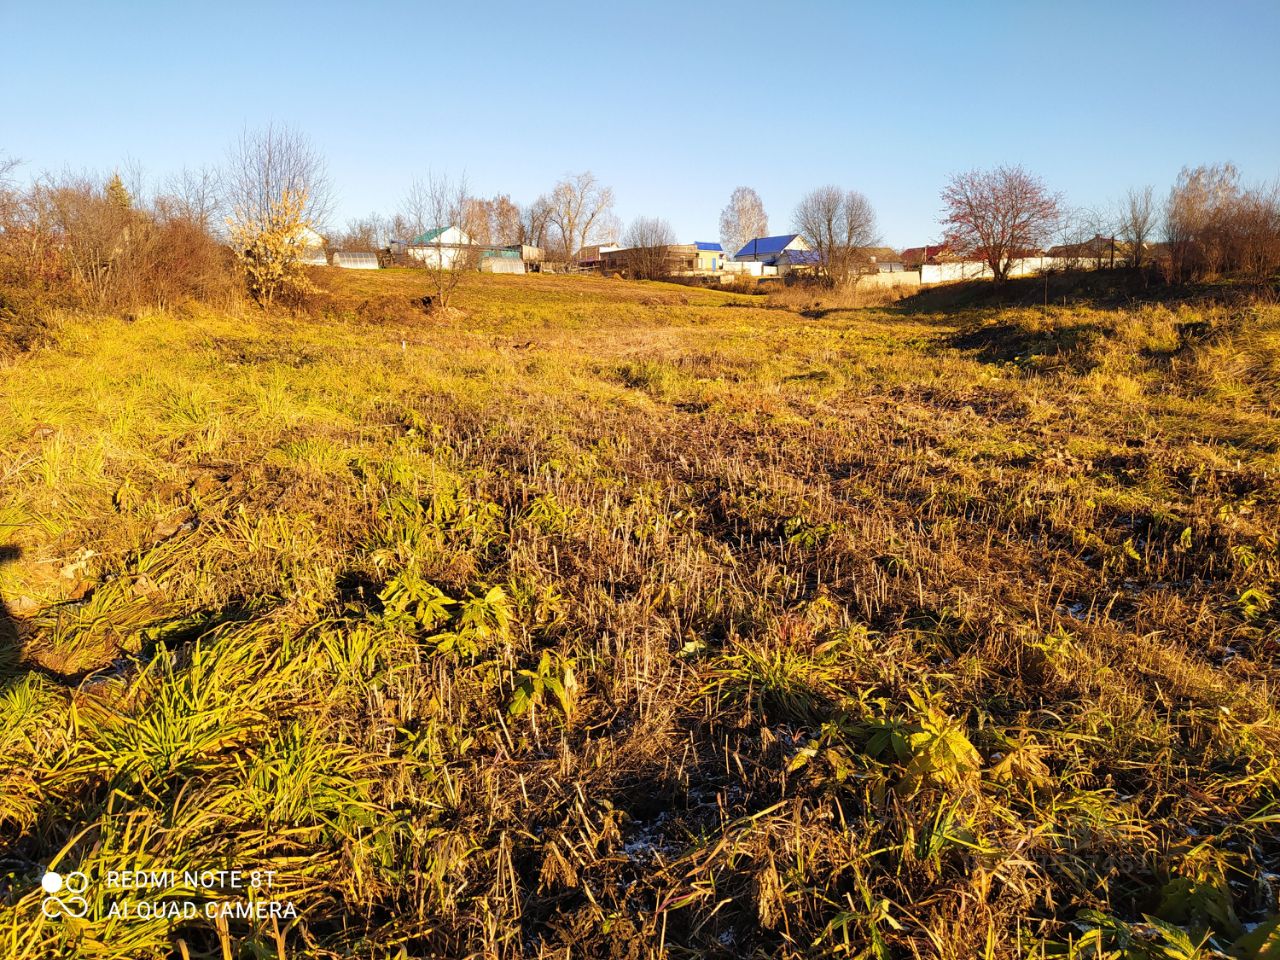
(429, 237)
(766, 245)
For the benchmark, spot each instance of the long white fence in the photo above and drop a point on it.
(975, 270)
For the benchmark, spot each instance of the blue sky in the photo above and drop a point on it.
(672, 104)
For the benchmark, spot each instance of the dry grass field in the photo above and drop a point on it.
(632, 620)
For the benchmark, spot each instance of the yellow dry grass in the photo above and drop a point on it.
(640, 620)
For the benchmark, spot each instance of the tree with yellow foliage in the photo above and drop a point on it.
(276, 188)
(268, 245)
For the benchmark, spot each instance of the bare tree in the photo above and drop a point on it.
(1193, 208)
(1137, 220)
(1103, 227)
(742, 220)
(504, 220)
(435, 209)
(194, 196)
(477, 220)
(8, 195)
(266, 164)
(579, 207)
(7, 166)
(534, 221)
(1089, 237)
(133, 177)
(1198, 217)
(999, 215)
(1071, 237)
(371, 232)
(1257, 232)
(1216, 226)
(840, 225)
(649, 241)
(107, 251)
(95, 232)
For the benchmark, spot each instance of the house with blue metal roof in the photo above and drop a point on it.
(769, 249)
(710, 256)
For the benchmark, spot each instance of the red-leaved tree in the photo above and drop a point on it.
(999, 215)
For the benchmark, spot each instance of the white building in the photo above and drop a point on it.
(450, 247)
(770, 249)
(311, 247)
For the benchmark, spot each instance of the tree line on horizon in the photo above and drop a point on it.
(214, 233)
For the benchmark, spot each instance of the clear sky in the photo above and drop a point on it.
(672, 104)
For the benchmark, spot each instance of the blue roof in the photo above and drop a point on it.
(702, 245)
(761, 245)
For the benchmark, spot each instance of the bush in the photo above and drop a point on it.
(72, 243)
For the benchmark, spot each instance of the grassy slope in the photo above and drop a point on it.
(639, 618)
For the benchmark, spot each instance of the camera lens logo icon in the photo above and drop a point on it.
(64, 894)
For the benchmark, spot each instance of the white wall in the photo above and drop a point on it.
(973, 270)
(436, 256)
(887, 281)
(752, 268)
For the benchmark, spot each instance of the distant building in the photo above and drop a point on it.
(912, 257)
(885, 259)
(454, 236)
(1098, 249)
(528, 254)
(796, 261)
(355, 259)
(450, 247)
(768, 249)
(311, 247)
(673, 260)
(592, 256)
(709, 257)
(748, 268)
(790, 253)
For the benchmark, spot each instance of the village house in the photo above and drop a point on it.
(455, 249)
(797, 262)
(699, 259)
(448, 247)
(591, 257)
(885, 259)
(1098, 250)
(310, 246)
(769, 249)
(913, 257)
(531, 256)
(710, 257)
(778, 256)
(676, 259)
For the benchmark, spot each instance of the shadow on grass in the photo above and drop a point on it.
(10, 638)
(1103, 289)
(18, 659)
(1005, 342)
